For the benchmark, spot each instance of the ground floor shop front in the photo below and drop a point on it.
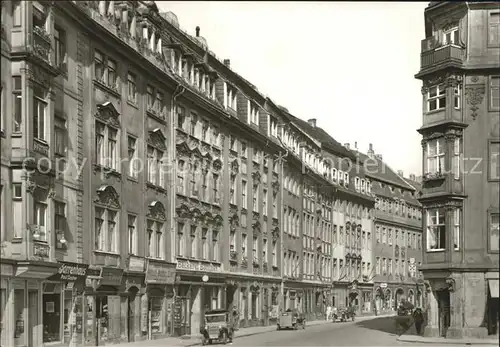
(387, 296)
(71, 304)
(251, 300)
(356, 294)
(462, 304)
(309, 297)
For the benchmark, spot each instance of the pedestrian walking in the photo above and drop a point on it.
(418, 318)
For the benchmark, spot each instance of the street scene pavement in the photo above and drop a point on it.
(362, 332)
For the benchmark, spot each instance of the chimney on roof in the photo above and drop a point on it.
(400, 173)
(227, 62)
(197, 31)
(347, 145)
(370, 151)
(412, 177)
(356, 145)
(312, 122)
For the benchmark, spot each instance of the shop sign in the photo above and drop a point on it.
(197, 266)
(383, 285)
(111, 276)
(135, 264)
(70, 272)
(160, 273)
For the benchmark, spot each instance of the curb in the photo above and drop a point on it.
(444, 341)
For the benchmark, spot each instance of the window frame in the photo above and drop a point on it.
(490, 213)
(60, 46)
(457, 224)
(105, 224)
(38, 102)
(452, 42)
(493, 24)
(104, 152)
(429, 225)
(155, 161)
(493, 88)
(132, 87)
(436, 98)
(440, 146)
(492, 142)
(132, 235)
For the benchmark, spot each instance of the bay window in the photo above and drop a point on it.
(456, 229)
(456, 96)
(106, 238)
(456, 157)
(39, 114)
(436, 98)
(493, 231)
(494, 94)
(494, 160)
(17, 103)
(106, 145)
(273, 126)
(436, 229)
(435, 156)
(451, 37)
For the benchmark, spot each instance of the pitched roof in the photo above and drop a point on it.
(378, 169)
(322, 136)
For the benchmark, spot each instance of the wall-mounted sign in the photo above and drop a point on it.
(383, 285)
(111, 276)
(160, 273)
(197, 266)
(136, 264)
(70, 272)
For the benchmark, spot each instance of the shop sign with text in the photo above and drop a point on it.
(70, 272)
(111, 276)
(197, 266)
(160, 273)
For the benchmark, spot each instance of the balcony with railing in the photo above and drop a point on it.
(435, 53)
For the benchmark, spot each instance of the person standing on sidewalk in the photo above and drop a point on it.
(418, 318)
(236, 318)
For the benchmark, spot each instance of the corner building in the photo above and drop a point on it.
(460, 144)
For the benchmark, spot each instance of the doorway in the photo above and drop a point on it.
(443, 297)
(131, 313)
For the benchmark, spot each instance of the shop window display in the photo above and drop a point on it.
(51, 313)
(155, 307)
(19, 332)
(102, 316)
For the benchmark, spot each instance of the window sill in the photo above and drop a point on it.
(107, 171)
(101, 252)
(434, 111)
(435, 250)
(133, 179)
(133, 104)
(114, 91)
(159, 116)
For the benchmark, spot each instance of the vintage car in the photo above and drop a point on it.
(218, 326)
(291, 320)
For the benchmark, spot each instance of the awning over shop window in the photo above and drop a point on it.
(494, 288)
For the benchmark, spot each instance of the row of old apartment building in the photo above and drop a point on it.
(143, 181)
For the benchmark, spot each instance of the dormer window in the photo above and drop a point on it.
(253, 113)
(334, 175)
(362, 186)
(451, 37)
(273, 126)
(201, 81)
(176, 62)
(230, 97)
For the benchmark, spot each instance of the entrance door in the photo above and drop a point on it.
(32, 318)
(444, 311)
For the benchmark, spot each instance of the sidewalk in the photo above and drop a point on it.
(194, 340)
(444, 341)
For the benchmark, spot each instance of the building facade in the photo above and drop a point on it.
(460, 144)
(398, 235)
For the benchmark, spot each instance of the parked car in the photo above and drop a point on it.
(218, 326)
(344, 314)
(291, 319)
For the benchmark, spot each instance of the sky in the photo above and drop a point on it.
(350, 65)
